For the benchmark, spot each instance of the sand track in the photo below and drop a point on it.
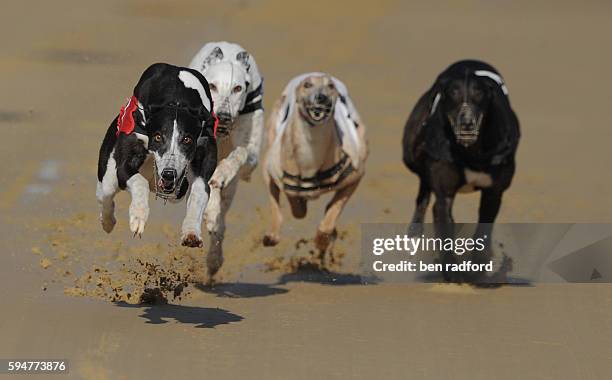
(66, 69)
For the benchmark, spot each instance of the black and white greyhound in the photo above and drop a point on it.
(162, 141)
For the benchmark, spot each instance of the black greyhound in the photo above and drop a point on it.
(462, 136)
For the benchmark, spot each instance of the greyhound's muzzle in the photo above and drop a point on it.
(225, 121)
(167, 180)
(168, 183)
(320, 107)
(466, 125)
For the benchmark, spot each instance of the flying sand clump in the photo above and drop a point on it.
(147, 273)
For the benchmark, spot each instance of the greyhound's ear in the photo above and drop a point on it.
(435, 94)
(434, 101)
(215, 56)
(437, 91)
(243, 58)
(500, 113)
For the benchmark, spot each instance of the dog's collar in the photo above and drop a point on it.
(325, 179)
(254, 100)
(252, 107)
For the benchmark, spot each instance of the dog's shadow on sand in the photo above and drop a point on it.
(312, 274)
(303, 274)
(487, 283)
(201, 317)
(241, 290)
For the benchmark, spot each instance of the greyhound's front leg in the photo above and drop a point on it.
(422, 202)
(272, 238)
(196, 204)
(105, 193)
(254, 144)
(138, 186)
(445, 228)
(490, 202)
(327, 228)
(228, 168)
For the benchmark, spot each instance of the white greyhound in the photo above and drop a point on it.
(236, 87)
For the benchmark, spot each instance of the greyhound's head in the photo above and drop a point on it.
(173, 134)
(316, 96)
(464, 100)
(228, 81)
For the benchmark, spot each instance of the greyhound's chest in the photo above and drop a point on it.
(475, 180)
(309, 152)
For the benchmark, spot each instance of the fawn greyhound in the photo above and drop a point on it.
(316, 144)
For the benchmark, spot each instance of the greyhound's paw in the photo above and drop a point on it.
(324, 239)
(138, 219)
(108, 222)
(217, 182)
(211, 224)
(270, 240)
(191, 239)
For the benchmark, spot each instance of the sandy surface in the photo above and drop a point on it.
(66, 69)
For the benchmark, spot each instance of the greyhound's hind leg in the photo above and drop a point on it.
(299, 206)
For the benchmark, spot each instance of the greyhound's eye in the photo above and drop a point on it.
(157, 137)
(237, 89)
(331, 86)
(187, 140)
(212, 87)
(307, 84)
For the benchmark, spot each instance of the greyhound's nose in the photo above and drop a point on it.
(224, 117)
(321, 98)
(467, 123)
(466, 117)
(168, 175)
